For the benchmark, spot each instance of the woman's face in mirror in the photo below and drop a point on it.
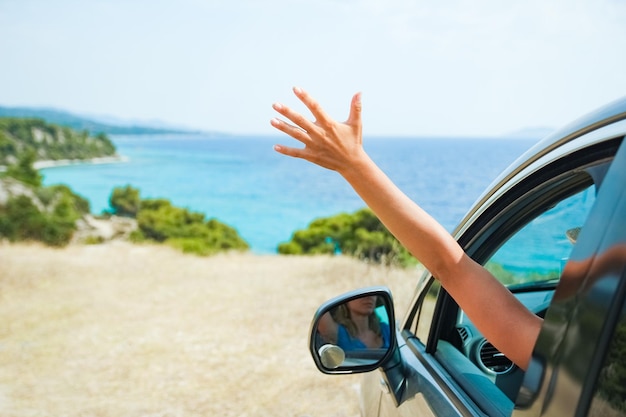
(353, 333)
(363, 306)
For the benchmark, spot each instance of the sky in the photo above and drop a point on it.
(425, 68)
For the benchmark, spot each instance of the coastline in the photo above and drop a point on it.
(91, 161)
(52, 163)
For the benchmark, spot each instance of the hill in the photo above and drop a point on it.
(46, 141)
(89, 124)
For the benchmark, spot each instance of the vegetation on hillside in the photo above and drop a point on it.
(360, 234)
(48, 141)
(23, 170)
(159, 221)
(30, 211)
(34, 212)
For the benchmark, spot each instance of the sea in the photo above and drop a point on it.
(243, 182)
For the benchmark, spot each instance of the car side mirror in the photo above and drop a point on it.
(354, 332)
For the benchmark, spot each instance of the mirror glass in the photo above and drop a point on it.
(353, 333)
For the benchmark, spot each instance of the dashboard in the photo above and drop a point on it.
(495, 366)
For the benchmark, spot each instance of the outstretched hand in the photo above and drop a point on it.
(327, 143)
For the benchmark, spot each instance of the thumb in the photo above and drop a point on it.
(355, 110)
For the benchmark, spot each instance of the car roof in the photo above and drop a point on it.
(601, 125)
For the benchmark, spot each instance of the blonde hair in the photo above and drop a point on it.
(343, 316)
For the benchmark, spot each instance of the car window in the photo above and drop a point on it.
(529, 262)
(538, 252)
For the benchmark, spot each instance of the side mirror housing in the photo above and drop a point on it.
(354, 332)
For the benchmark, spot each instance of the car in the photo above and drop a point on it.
(560, 206)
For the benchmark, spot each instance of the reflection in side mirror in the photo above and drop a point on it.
(331, 356)
(354, 332)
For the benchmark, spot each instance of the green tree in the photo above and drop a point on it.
(21, 219)
(160, 221)
(125, 201)
(360, 234)
(7, 146)
(24, 170)
(48, 214)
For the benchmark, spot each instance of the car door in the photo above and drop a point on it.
(579, 362)
(523, 233)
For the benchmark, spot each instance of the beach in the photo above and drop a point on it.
(142, 330)
(93, 161)
(55, 163)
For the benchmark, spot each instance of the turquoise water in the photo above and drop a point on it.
(241, 181)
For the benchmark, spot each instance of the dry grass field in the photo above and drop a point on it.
(125, 330)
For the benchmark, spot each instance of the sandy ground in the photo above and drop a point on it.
(126, 330)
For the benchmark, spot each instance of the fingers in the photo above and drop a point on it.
(321, 117)
(293, 131)
(285, 150)
(302, 124)
(313, 106)
(355, 110)
(309, 132)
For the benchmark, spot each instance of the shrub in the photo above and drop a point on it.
(76, 205)
(24, 170)
(360, 234)
(51, 219)
(158, 220)
(20, 219)
(125, 201)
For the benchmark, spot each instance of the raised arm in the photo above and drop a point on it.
(502, 319)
